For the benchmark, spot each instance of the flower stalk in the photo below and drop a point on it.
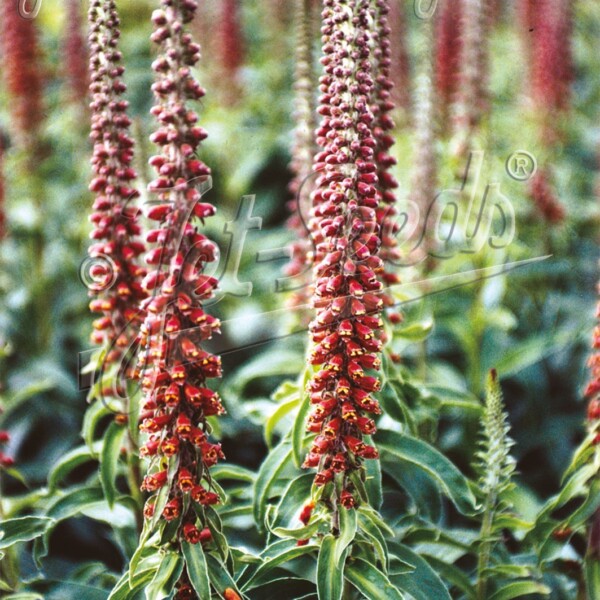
(174, 367)
(303, 150)
(347, 297)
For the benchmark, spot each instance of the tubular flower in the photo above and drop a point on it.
(383, 124)
(75, 53)
(400, 61)
(447, 56)
(347, 293)
(592, 391)
(116, 275)
(174, 368)
(21, 65)
(304, 149)
(552, 67)
(473, 73)
(544, 199)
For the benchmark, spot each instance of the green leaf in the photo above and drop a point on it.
(592, 577)
(348, 526)
(225, 471)
(373, 481)
(70, 461)
(454, 575)
(23, 529)
(403, 448)
(415, 331)
(300, 533)
(520, 588)
(370, 581)
(584, 513)
(123, 591)
(109, 458)
(219, 576)
(197, 569)
(375, 537)
(423, 583)
(169, 572)
(276, 554)
(94, 414)
(268, 475)
(299, 430)
(330, 569)
(74, 502)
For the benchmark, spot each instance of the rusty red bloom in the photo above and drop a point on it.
(22, 74)
(2, 189)
(174, 367)
(551, 62)
(400, 60)
(544, 198)
(303, 149)
(447, 56)
(592, 391)
(382, 106)
(75, 54)
(347, 297)
(115, 273)
(231, 48)
(471, 94)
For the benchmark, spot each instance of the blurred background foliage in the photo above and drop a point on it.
(533, 323)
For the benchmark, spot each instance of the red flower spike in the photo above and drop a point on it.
(116, 286)
(351, 225)
(174, 366)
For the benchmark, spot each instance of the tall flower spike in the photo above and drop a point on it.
(304, 148)
(400, 60)
(383, 124)
(231, 51)
(543, 196)
(347, 293)
(174, 367)
(592, 391)
(75, 54)
(424, 175)
(21, 65)
(2, 189)
(552, 68)
(470, 99)
(115, 272)
(447, 58)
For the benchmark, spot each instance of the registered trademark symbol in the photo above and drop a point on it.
(521, 165)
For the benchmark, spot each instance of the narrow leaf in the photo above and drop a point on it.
(109, 458)
(370, 581)
(197, 569)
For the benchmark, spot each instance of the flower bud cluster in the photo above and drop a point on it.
(174, 367)
(473, 73)
(383, 124)
(592, 391)
(2, 189)
(75, 53)
(116, 274)
(400, 59)
(21, 72)
(448, 49)
(544, 197)
(304, 148)
(347, 271)
(552, 70)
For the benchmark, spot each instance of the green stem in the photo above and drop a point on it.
(485, 549)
